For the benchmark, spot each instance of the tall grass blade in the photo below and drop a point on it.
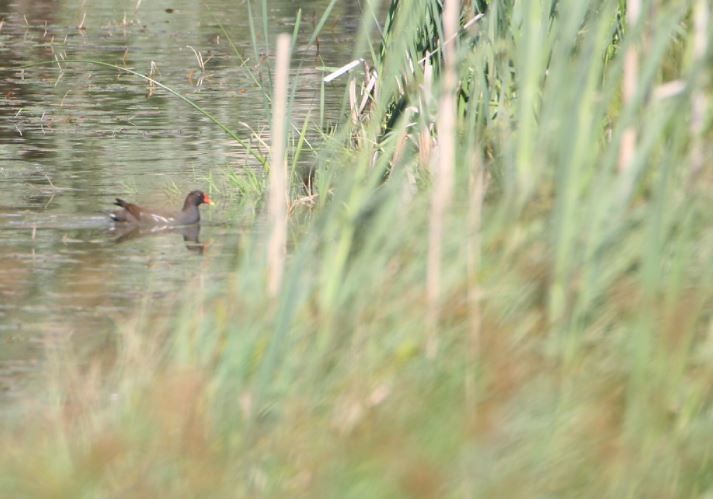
(443, 178)
(277, 246)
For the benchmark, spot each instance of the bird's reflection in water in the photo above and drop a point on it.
(190, 234)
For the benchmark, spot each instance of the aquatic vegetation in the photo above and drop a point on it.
(499, 287)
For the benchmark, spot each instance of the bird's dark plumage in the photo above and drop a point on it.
(134, 214)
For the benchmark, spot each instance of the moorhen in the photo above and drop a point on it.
(137, 215)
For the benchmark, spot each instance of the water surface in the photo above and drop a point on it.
(75, 136)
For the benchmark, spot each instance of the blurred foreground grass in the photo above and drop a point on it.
(569, 347)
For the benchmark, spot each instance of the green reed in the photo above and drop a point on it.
(573, 325)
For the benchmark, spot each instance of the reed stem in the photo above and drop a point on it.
(278, 169)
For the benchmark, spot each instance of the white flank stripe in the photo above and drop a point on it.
(159, 218)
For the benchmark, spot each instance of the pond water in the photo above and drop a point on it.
(74, 136)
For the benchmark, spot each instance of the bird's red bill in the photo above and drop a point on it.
(207, 199)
